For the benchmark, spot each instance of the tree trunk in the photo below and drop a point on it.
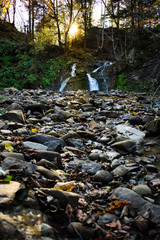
(14, 11)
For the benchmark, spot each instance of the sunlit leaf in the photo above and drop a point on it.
(34, 130)
(7, 179)
(9, 147)
(67, 186)
(134, 113)
(101, 212)
(117, 204)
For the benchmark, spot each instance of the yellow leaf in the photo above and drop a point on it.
(67, 186)
(34, 130)
(134, 113)
(9, 147)
(117, 204)
(101, 212)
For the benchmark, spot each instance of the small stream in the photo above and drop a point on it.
(86, 79)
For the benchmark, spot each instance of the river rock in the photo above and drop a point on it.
(126, 145)
(11, 162)
(54, 157)
(142, 189)
(19, 156)
(85, 166)
(135, 120)
(120, 171)
(86, 134)
(47, 231)
(7, 193)
(47, 164)
(14, 116)
(153, 127)
(77, 143)
(36, 107)
(40, 138)
(64, 198)
(103, 176)
(47, 173)
(106, 218)
(55, 145)
(131, 133)
(109, 114)
(14, 106)
(33, 145)
(138, 203)
(76, 228)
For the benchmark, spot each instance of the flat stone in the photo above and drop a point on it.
(47, 173)
(19, 156)
(64, 198)
(33, 145)
(131, 133)
(41, 138)
(126, 145)
(7, 192)
(14, 106)
(54, 157)
(14, 116)
(85, 166)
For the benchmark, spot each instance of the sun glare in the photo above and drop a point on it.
(73, 30)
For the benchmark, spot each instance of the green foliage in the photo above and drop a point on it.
(122, 81)
(22, 67)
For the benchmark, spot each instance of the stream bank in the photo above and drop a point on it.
(84, 165)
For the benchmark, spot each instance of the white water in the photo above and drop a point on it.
(64, 83)
(93, 84)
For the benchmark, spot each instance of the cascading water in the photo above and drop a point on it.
(64, 83)
(93, 84)
(102, 74)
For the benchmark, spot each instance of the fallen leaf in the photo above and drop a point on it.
(34, 130)
(114, 224)
(9, 147)
(117, 204)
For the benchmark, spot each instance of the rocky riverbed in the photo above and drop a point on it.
(79, 165)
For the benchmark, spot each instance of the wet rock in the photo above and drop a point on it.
(63, 115)
(138, 203)
(8, 228)
(77, 143)
(153, 127)
(142, 189)
(76, 228)
(126, 145)
(85, 166)
(54, 157)
(147, 119)
(112, 155)
(7, 193)
(55, 145)
(87, 107)
(103, 176)
(120, 171)
(30, 201)
(131, 133)
(41, 138)
(14, 116)
(33, 145)
(64, 198)
(14, 163)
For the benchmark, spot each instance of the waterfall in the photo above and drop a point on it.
(93, 84)
(63, 84)
(73, 74)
